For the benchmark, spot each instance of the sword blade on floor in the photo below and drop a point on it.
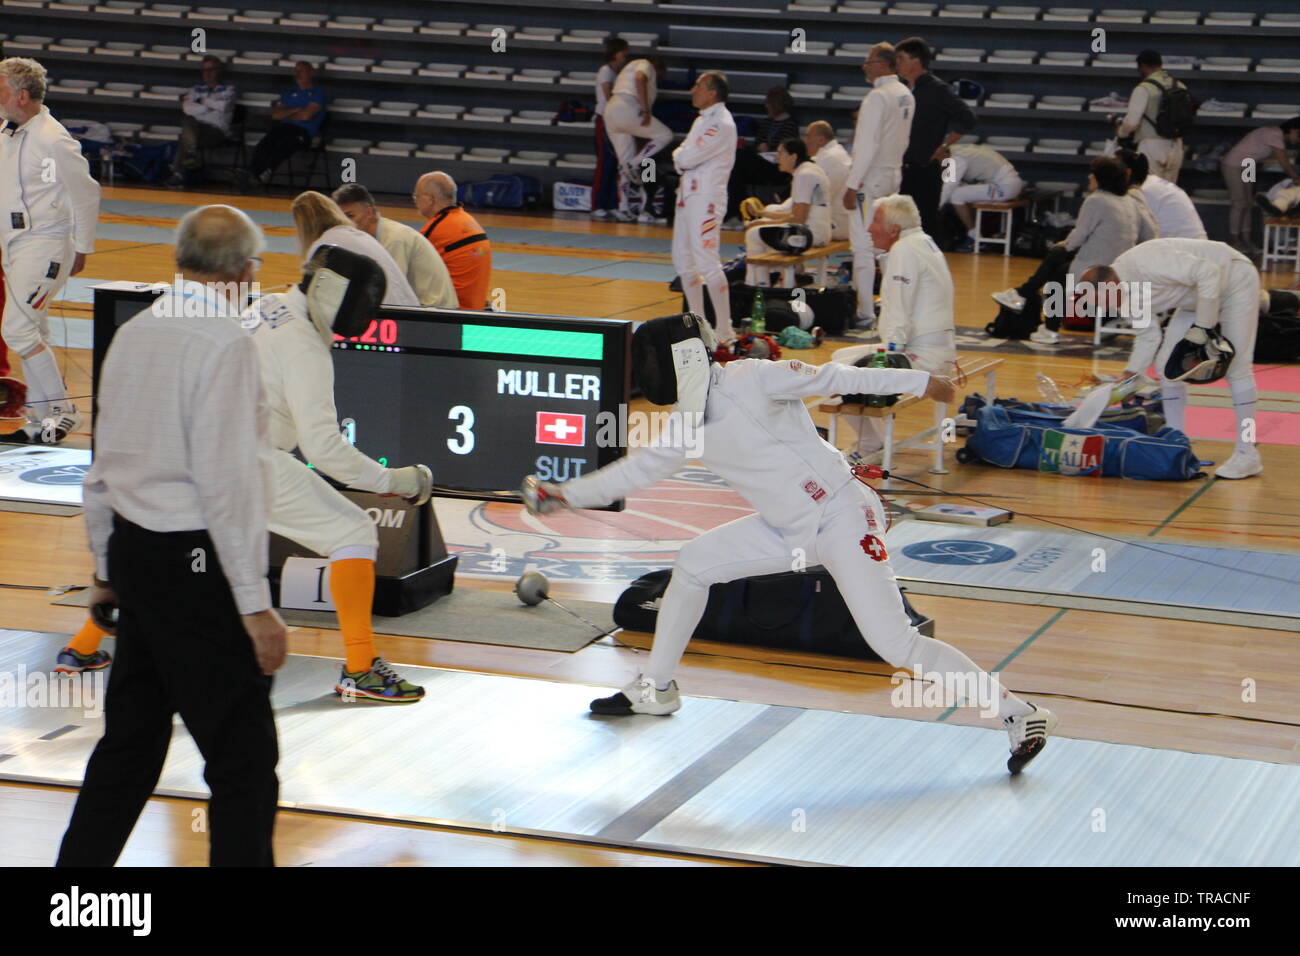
(532, 588)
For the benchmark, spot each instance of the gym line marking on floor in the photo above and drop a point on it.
(1011, 657)
(1179, 510)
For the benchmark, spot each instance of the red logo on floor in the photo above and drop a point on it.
(874, 547)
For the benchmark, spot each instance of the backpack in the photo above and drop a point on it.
(1176, 113)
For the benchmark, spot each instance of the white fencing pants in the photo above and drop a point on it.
(624, 126)
(1239, 324)
(869, 433)
(847, 543)
(35, 271)
(697, 238)
(307, 510)
(879, 182)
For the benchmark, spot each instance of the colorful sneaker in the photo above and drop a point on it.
(71, 662)
(381, 682)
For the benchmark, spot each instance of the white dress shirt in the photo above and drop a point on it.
(213, 105)
(181, 439)
(884, 128)
(1176, 216)
(705, 158)
(399, 291)
(46, 188)
(419, 262)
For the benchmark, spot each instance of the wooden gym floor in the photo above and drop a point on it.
(1124, 679)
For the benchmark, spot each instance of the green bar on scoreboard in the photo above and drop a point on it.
(551, 343)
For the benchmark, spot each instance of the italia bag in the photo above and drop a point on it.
(793, 610)
(1142, 416)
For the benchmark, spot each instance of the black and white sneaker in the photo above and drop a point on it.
(1028, 734)
(49, 431)
(639, 697)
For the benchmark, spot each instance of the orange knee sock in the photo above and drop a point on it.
(87, 639)
(352, 585)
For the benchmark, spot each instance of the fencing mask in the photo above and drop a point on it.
(1198, 363)
(670, 360)
(790, 239)
(343, 289)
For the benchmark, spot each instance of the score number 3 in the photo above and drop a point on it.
(464, 444)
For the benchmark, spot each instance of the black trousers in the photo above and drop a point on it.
(750, 172)
(181, 648)
(281, 142)
(1054, 268)
(924, 183)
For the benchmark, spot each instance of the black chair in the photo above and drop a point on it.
(234, 141)
(309, 162)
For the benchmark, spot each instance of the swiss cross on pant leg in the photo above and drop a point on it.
(874, 547)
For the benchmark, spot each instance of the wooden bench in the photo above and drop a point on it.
(930, 437)
(787, 263)
(1007, 211)
(1277, 234)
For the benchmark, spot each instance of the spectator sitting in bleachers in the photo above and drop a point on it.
(209, 110)
(457, 236)
(751, 170)
(977, 173)
(1175, 215)
(319, 222)
(835, 162)
(1110, 223)
(801, 222)
(297, 118)
(1267, 142)
(604, 185)
(418, 260)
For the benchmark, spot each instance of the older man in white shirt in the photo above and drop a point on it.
(47, 228)
(176, 513)
(1205, 284)
(828, 153)
(879, 142)
(916, 304)
(414, 255)
(704, 162)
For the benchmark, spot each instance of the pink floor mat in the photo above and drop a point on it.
(1219, 424)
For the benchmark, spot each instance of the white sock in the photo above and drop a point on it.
(936, 656)
(46, 394)
(1245, 403)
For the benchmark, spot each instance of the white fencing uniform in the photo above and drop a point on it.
(980, 174)
(835, 162)
(624, 124)
(49, 207)
(879, 141)
(1210, 284)
(298, 380)
(808, 185)
(704, 162)
(916, 316)
(1175, 215)
(398, 290)
(419, 262)
(757, 435)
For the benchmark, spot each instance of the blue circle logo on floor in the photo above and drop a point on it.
(959, 551)
(56, 475)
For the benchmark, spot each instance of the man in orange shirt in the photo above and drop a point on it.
(457, 236)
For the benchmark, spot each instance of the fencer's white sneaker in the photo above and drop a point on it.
(1244, 463)
(1028, 735)
(1044, 336)
(621, 215)
(639, 697)
(1012, 299)
(51, 430)
(600, 213)
(646, 217)
(864, 323)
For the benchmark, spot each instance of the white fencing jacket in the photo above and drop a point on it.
(916, 295)
(835, 162)
(884, 128)
(298, 380)
(46, 181)
(705, 159)
(758, 436)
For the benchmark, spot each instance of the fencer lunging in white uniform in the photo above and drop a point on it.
(48, 212)
(293, 332)
(628, 118)
(754, 432)
(704, 162)
(916, 313)
(879, 142)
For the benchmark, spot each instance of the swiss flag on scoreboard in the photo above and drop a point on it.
(557, 428)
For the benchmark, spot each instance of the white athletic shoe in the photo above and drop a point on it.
(1012, 299)
(51, 430)
(646, 217)
(619, 215)
(1028, 735)
(1244, 463)
(600, 213)
(639, 697)
(1044, 336)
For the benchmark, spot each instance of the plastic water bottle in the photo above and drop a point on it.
(879, 359)
(1047, 388)
(758, 314)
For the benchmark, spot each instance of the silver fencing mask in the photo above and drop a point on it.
(343, 289)
(1200, 363)
(670, 360)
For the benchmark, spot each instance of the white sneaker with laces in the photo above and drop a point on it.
(621, 215)
(646, 217)
(53, 429)
(1044, 336)
(1028, 734)
(1244, 463)
(640, 697)
(1012, 299)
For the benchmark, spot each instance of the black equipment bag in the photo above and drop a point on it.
(801, 611)
(1278, 339)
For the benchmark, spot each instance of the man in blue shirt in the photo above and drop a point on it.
(297, 118)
